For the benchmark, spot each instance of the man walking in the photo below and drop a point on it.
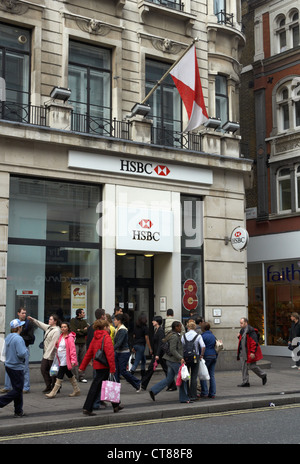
(79, 326)
(15, 356)
(249, 353)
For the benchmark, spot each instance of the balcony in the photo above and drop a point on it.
(22, 113)
(99, 126)
(224, 18)
(175, 4)
(169, 138)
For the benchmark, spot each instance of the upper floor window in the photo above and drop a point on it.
(287, 31)
(15, 70)
(90, 84)
(284, 190)
(288, 110)
(175, 4)
(165, 103)
(221, 13)
(298, 188)
(221, 98)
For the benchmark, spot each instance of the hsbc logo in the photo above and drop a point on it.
(162, 170)
(144, 234)
(238, 234)
(139, 167)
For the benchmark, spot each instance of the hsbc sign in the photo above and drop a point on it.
(145, 168)
(144, 230)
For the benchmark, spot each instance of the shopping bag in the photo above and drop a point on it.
(111, 390)
(131, 361)
(54, 367)
(203, 371)
(179, 379)
(155, 364)
(185, 375)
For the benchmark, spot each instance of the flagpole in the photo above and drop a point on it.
(168, 72)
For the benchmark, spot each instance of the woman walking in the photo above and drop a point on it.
(67, 359)
(122, 352)
(101, 331)
(52, 334)
(157, 351)
(210, 358)
(140, 339)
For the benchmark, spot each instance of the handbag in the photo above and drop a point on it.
(203, 371)
(111, 390)
(100, 355)
(179, 379)
(219, 345)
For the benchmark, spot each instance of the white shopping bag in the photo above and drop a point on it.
(203, 371)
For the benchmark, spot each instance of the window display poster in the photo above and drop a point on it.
(78, 298)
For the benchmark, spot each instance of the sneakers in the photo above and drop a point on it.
(139, 388)
(83, 381)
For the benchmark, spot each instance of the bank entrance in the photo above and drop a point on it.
(134, 287)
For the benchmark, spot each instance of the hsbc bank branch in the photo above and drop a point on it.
(144, 231)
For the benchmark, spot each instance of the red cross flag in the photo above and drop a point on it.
(187, 80)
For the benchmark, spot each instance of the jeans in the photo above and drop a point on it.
(210, 364)
(139, 357)
(95, 389)
(26, 387)
(192, 384)
(16, 394)
(121, 369)
(173, 368)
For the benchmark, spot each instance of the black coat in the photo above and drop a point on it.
(157, 341)
(294, 331)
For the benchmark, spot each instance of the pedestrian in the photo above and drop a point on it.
(140, 339)
(174, 359)
(67, 359)
(15, 358)
(197, 355)
(51, 335)
(210, 358)
(28, 336)
(167, 323)
(249, 353)
(101, 330)
(112, 329)
(79, 326)
(99, 314)
(122, 352)
(294, 333)
(117, 310)
(157, 354)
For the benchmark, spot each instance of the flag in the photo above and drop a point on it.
(186, 77)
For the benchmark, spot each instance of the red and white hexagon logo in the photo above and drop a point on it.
(162, 170)
(145, 223)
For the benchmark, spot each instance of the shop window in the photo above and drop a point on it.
(284, 190)
(15, 49)
(90, 84)
(165, 105)
(54, 250)
(192, 256)
(282, 298)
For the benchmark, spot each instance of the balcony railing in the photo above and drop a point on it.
(175, 4)
(99, 126)
(225, 18)
(176, 139)
(26, 114)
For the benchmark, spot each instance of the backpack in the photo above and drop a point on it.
(189, 350)
(165, 345)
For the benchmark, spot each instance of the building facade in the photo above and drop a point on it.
(270, 79)
(100, 206)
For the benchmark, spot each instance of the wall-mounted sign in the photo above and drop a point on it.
(190, 297)
(239, 238)
(78, 298)
(144, 230)
(146, 168)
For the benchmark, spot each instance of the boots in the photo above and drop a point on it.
(76, 390)
(55, 389)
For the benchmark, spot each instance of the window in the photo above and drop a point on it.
(284, 190)
(288, 107)
(165, 104)
(90, 83)
(221, 98)
(287, 31)
(298, 188)
(285, 109)
(175, 4)
(15, 69)
(282, 35)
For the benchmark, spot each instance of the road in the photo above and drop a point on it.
(271, 425)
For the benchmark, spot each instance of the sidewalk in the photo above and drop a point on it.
(62, 412)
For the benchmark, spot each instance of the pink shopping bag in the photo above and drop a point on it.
(110, 391)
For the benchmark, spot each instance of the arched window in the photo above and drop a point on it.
(288, 106)
(298, 188)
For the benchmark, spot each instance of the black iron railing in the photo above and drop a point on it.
(24, 113)
(176, 139)
(225, 18)
(175, 4)
(99, 126)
